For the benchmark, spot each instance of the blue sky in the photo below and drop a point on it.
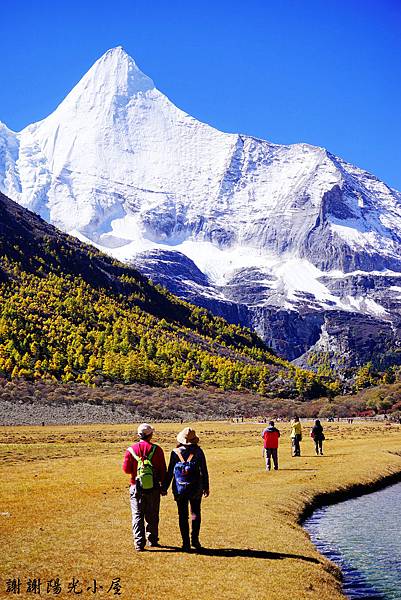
(325, 73)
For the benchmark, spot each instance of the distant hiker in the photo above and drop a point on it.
(188, 472)
(145, 463)
(270, 437)
(318, 436)
(296, 436)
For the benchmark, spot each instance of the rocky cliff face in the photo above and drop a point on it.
(366, 329)
(275, 237)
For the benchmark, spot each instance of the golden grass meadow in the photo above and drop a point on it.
(65, 512)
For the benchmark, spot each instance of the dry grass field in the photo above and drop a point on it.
(64, 512)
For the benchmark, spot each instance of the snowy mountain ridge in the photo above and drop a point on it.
(118, 165)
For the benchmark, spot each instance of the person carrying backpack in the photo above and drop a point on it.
(188, 471)
(146, 464)
(318, 436)
(270, 437)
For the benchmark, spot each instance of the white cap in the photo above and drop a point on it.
(144, 430)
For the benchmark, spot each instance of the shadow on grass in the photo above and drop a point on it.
(298, 469)
(242, 552)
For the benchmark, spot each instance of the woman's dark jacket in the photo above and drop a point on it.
(317, 432)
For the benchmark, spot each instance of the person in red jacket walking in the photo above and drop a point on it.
(270, 437)
(145, 503)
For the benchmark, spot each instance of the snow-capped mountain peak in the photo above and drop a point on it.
(118, 165)
(114, 75)
(106, 89)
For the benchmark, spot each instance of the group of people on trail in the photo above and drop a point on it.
(187, 472)
(150, 479)
(271, 437)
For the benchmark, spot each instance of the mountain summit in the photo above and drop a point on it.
(257, 227)
(112, 81)
(116, 68)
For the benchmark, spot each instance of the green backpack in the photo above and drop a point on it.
(144, 474)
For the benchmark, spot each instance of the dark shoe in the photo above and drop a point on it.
(196, 544)
(140, 549)
(154, 545)
(186, 548)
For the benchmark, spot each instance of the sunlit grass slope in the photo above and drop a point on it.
(65, 511)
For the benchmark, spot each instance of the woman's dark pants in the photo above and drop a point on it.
(319, 446)
(183, 505)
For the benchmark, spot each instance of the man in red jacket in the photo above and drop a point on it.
(145, 503)
(270, 437)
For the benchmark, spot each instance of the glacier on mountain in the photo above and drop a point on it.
(119, 166)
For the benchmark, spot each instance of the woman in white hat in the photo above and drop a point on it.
(188, 472)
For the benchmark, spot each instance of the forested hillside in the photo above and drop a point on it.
(70, 313)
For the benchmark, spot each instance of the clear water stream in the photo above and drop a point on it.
(363, 537)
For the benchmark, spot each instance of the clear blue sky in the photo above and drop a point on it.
(317, 71)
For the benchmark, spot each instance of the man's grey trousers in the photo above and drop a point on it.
(145, 507)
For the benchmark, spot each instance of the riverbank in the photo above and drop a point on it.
(65, 510)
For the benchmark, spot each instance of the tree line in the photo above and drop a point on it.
(58, 327)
